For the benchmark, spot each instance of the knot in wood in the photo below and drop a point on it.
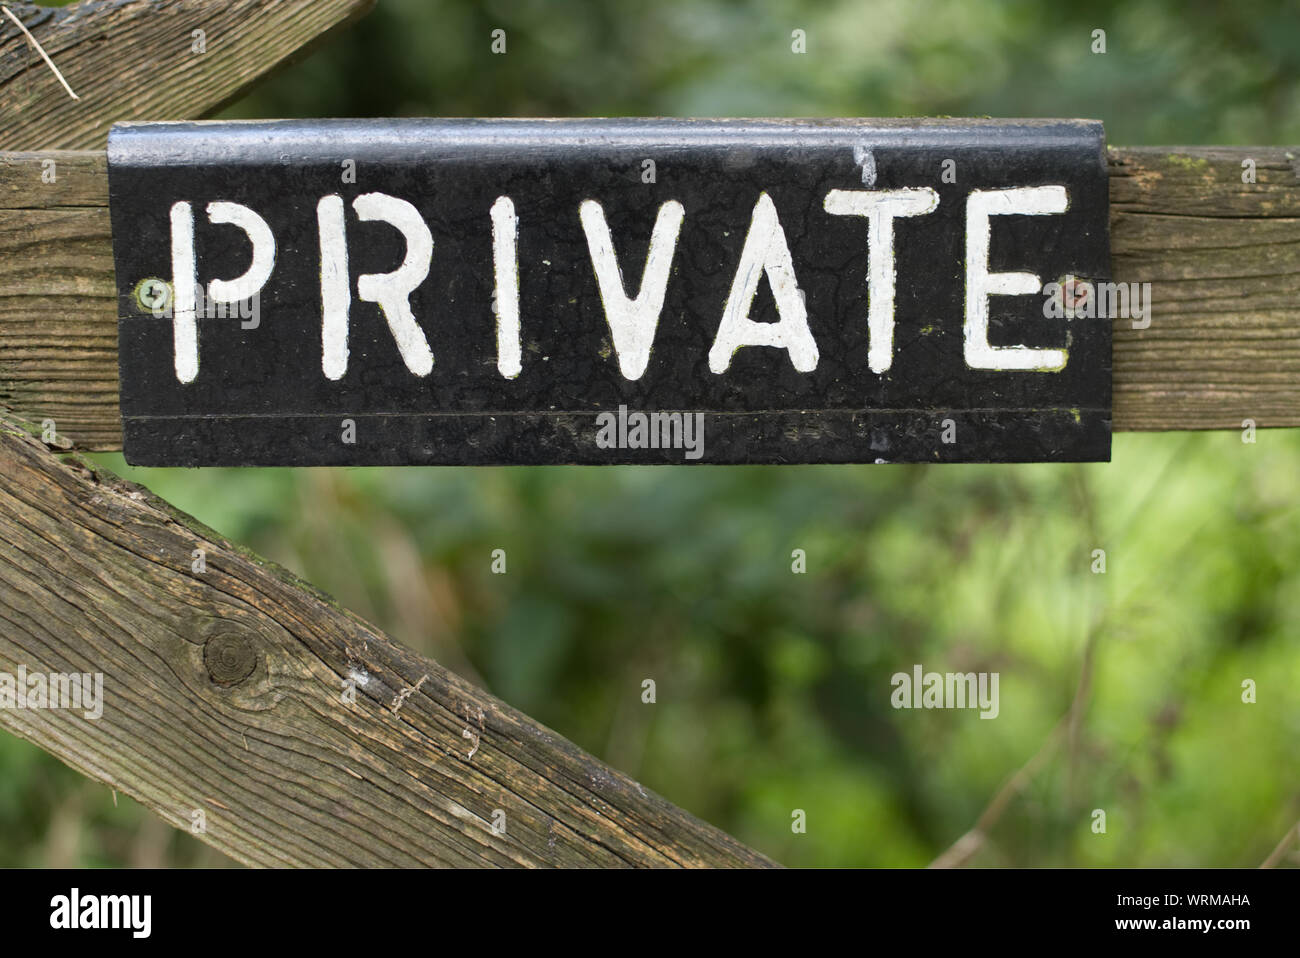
(230, 658)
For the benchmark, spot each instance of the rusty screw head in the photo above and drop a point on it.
(1074, 293)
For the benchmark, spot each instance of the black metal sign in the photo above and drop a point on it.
(611, 291)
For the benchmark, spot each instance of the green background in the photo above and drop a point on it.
(773, 688)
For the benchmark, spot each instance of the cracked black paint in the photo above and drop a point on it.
(260, 397)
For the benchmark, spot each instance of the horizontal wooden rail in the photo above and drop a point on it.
(1222, 258)
(225, 702)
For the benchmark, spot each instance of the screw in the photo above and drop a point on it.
(1075, 293)
(154, 295)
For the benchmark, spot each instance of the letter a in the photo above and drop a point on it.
(765, 252)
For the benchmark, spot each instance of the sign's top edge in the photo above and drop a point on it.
(281, 141)
(898, 121)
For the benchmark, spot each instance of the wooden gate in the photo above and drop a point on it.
(231, 681)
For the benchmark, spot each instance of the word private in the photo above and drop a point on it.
(479, 291)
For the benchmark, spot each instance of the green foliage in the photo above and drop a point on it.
(773, 689)
(1174, 71)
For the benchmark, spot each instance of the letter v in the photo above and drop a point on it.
(632, 322)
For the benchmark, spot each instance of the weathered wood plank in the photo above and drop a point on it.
(136, 59)
(1222, 257)
(58, 332)
(224, 692)
(1223, 260)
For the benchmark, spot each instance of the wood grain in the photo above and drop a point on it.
(1222, 257)
(58, 331)
(1223, 260)
(223, 692)
(136, 59)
